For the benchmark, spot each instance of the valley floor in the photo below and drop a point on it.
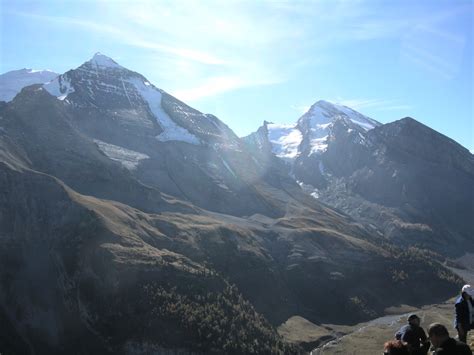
(368, 338)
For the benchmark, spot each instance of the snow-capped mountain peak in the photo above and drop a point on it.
(102, 83)
(128, 98)
(310, 134)
(316, 124)
(101, 60)
(324, 112)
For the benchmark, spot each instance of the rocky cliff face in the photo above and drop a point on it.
(163, 142)
(414, 183)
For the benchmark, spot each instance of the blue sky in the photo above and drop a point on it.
(249, 61)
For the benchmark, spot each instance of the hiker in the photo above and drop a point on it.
(464, 312)
(395, 347)
(443, 344)
(414, 336)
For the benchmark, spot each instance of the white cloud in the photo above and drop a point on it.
(207, 48)
(200, 50)
(217, 85)
(128, 37)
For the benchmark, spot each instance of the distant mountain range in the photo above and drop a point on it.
(133, 223)
(12, 82)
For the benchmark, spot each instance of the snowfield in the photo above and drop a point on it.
(171, 131)
(285, 140)
(128, 158)
(60, 87)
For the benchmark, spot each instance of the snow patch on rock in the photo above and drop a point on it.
(309, 189)
(319, 145)
(128, 158)
(228, 167)
(60, 87)
(171, 130)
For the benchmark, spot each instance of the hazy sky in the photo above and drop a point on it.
(249, 61)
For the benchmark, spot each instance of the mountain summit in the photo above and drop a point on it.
(102, 83)
(324, 112)
(162, 141)
(101, 60)
(311, 133)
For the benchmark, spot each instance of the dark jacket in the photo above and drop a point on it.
(411, 334)
(453, 347)
(462, 313)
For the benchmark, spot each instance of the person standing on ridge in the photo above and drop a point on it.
(414, 336)
(464, 308)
